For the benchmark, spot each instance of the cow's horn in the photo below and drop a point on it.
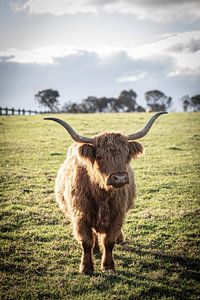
(143, 132)
(76, 137)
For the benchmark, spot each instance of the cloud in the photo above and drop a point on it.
(167, 46)
(183, 48)
(155, 10)
(39, 55)
(102, 71)
(5, 58)
(82, 73)
(191, 46)
(132, 78)
(21, 30)
(185, 72)
(58, 7)
(99, 53)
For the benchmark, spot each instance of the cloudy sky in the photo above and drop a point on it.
(98, 48)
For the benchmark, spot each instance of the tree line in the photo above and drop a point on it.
(156, 100)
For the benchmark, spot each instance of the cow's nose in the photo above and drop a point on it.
(118, 179)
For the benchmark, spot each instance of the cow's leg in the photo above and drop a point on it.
(86, 265)
(107, 261)
(108, 241)
(96, 243)
(120, 238)
(84, 236)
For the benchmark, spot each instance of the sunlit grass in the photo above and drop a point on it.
(39, 257)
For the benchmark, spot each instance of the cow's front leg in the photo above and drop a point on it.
(86, 265)
(108, 241)
(107, 261)
(84, 235)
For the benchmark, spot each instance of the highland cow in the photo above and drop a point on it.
(95, 188)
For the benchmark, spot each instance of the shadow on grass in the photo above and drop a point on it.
(175, 260)
(156, 275)
(165, 266)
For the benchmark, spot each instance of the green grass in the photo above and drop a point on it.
(39, 256)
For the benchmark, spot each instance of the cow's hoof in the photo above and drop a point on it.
(108, 268)
(88, 270)
(109, 271)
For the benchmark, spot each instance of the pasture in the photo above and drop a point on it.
(39, 256)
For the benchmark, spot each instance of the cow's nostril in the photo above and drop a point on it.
(118, 179)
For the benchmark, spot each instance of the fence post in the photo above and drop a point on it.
(6, 111)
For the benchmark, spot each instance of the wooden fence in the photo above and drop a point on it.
(12, 111)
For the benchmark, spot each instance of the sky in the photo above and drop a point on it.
(98, 48)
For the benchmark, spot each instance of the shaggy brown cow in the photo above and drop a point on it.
(95, 188)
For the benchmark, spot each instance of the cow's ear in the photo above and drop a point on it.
(135, 149)
(87, 151)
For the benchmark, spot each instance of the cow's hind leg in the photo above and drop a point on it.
(84, 235)
(120, 238)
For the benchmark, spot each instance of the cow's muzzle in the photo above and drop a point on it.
(118, 180)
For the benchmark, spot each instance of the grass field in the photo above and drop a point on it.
(39, 256)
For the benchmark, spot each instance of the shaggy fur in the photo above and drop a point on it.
(96, 209)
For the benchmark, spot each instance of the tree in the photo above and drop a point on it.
(140, 108)
(48, 99)
(157, 100)
(186, 100)
(90, 104)
(126, 101)
(71, 108)
(191, 103)
(93, 104)
(103, 104)
(195, 100)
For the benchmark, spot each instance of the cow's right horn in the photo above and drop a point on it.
(143, 132)
(76, 137)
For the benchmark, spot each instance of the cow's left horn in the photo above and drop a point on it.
(76, 137)
(143, 132)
